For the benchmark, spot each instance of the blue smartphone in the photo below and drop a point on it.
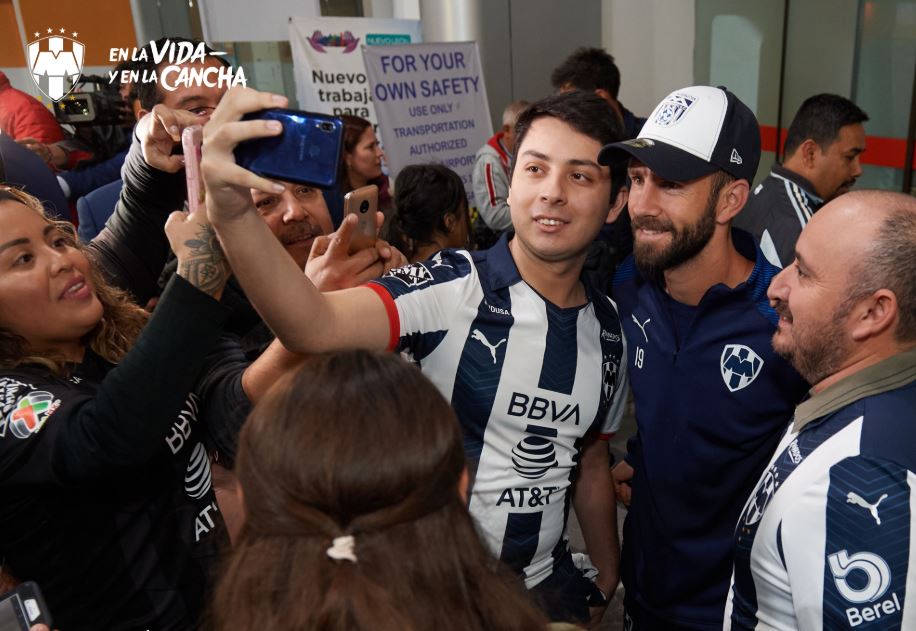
(307, 152)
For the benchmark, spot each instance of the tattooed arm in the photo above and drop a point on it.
(200, 257)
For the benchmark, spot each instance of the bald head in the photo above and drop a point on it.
(873, 234)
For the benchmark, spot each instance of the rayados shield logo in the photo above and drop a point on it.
(56, 63)
(673, 109)
(740, 365)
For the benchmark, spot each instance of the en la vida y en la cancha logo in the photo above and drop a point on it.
(56, 62)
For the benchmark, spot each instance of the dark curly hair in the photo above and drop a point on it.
(114, 334)
(424, 195)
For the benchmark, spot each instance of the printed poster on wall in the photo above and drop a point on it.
(328, 66)
(431, 104)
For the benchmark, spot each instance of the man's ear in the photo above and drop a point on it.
(809, 152)
(731, 200)
(620, 202)
(450, 219)
(874, 315)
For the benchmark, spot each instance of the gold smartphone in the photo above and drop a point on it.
(363, 202)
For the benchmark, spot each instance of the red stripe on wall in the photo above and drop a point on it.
(879, 151)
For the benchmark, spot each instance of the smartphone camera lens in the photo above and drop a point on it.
(327, 127)
(364, 207)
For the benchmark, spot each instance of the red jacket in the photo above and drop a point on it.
(23, 116)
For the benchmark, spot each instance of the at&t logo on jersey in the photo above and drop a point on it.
(740, 365)
(863, 577)
(534, 455)
(198, 479)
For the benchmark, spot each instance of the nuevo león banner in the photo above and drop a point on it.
(328, 66)
(431, 104)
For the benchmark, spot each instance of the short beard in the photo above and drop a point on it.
(821, 352)
(685, 244)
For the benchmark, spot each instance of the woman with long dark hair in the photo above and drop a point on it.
(353, 482)
(105, 493)
(360, 165)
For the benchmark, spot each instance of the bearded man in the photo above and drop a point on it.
(711, 395)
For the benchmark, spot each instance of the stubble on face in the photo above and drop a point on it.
(815, 349)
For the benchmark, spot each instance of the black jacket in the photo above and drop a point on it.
(777, 211)
(106, 498)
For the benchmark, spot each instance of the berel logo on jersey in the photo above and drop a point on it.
(794, 452)
(31, 412)
(740, 365)
(872, 580)
(413, 275)
(870, 567)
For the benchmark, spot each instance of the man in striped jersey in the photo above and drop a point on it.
(825, 540)
(822, 161)
(528, 353)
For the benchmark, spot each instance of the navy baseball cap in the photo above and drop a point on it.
(693, 132)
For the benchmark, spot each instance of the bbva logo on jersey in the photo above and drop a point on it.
(740, 365)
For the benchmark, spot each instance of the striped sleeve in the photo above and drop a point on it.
(421, 298)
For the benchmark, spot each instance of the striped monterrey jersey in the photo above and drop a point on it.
(527, 381)
(825, 540)
(712, 399)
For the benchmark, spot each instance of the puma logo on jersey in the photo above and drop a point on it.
(480, 337)
(642, 327)
(855, 498)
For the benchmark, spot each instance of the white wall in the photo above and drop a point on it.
(652, 42)
(247, 21)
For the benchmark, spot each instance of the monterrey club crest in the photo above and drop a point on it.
(673, 109)
(740, 365)
(31, 412)
(55, 63)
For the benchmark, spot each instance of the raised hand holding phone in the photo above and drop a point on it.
(363, 203)
(192, 139)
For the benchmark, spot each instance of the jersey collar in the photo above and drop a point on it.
(889, 374)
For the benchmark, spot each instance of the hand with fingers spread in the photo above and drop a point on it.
(228, 185)
(159, 133)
